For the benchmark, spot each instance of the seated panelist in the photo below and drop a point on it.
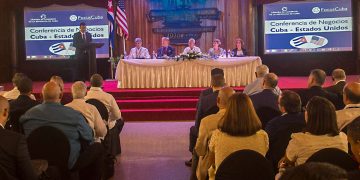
(139, 52)
(191, 48)
(165, 51)
(239, 50)
(216, 51)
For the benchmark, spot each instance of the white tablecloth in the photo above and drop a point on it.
(162, 73)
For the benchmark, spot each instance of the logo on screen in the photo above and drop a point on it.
(308, 42)
(284, 8)
(63, 49)
(73, 18)
(316, 10)
(43, 16)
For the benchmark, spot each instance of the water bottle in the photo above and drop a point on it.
(154, 55)
(228, 54)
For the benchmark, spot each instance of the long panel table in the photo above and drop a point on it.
(162, 73)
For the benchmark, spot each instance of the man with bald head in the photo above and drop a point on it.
(70, 122)
(14, 155)
(351, 98)
(207, 126)
(268, 96)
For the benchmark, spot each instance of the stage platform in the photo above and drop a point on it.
(165, 104)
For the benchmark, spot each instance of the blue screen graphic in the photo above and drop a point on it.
(321, 26)
(49, 31)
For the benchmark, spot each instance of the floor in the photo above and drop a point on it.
(154, 151)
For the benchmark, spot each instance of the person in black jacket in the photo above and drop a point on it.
(165, 51)
(81, 40)
(239, 50)
(14, 155)
(339, 80)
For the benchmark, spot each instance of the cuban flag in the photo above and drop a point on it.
(299, 41)
(110, 16)
(58, 47)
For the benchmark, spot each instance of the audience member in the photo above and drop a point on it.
(353, 135)
(239, 129)
(115, 122)
(280, 128)
(257, 85)
(206, 105)
(207, 126)
(321, 132)
(23, 103)
(315, 82)
(339, 81)
(92, 115)
(14, 93)
(351, 98)
(14, 155)
(72, 124)
(267, 97)
(59, 81)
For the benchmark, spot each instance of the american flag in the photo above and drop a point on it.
(121, 19)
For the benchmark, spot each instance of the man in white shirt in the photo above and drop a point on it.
(109, 101)
(191, 48)
(257, 85)
(351, 98)
(15, 93)
(139, 52)
(92, 115)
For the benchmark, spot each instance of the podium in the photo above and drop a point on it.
(92, 57)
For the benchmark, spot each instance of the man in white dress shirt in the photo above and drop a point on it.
(115, 122)
(191, 48)
(257, 85)
(15, 93)
(351, 98)
(139, 52)
(92, 115)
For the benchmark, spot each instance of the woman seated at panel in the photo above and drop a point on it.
(191, 48)
(321, 132)
(139, 52)
(240, 50)
(239, 129)
(216, 51)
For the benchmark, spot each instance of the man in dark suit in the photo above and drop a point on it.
(280, 128)
(267, 97)
(19, 106)
(339, 79)
(165, 51)
(315, 82)
(81, 40)
(14, 155)
(207, 104)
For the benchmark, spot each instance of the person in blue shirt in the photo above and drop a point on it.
(165, 51)
(70, 122)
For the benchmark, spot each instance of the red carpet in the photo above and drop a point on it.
(167, 104)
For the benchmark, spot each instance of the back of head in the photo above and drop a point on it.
(291, 101)
(338, 74)
(352, 93)
(318, 77)
(240, 118)
(4, 110)
(224, 95)
(51, 92)
(25, 86)
(217, 80)
(96, 80)
(17, 77)
(321, 117)
(315, 171)
(262, 70)
(78, 90)
(59, 81)
(270, 80)
(353, 134)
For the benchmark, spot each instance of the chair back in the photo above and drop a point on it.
(245, 164)
(265, 114)
(51, 144)
(100, 107)
(336, 157)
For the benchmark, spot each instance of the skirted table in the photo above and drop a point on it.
(162, 73)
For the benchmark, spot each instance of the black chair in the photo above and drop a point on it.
(100, 107)
(50, 143)
(245, 164)
(266, 114)
(336, 157)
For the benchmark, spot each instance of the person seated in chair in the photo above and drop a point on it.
(191, 48)
(206, 105)
(267, 97)
(216, 51)
(14, 93)
(115, 122)
(339, 81)
(14, 154)
(165, 51)
(239, 50)
(92, 115)
(19, 106)
(257, 85)
(353, 135)
(139, 52)
(72, 124)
